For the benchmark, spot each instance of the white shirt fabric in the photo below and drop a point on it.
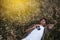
(35, 34)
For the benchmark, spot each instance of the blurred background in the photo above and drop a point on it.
(18, 15)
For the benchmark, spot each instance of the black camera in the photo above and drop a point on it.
(38, 27)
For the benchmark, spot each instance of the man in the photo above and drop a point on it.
(36, 31)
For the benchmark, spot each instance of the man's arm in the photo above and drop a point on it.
(32, 27)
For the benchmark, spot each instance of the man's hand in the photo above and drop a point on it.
(35, 25)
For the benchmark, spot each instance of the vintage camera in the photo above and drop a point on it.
(38, 27)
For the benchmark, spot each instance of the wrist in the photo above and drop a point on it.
(33, 27)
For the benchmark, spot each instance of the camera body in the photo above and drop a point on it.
(38, 27)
